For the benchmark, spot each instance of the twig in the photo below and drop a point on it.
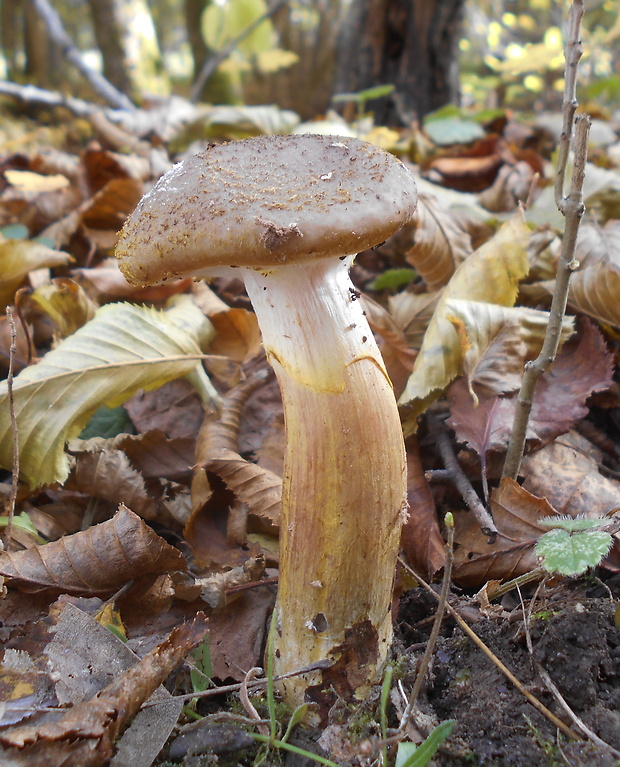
(577, 721)
(572, 208)
(53, 24)
(432, 640)
(509, 675)
(533, 575)
(247, 703)
(320, 665)
(213, 62)
(457, 476)
(31, 94)
(9, 386)
(572, 53)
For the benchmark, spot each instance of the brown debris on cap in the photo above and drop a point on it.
(265, 202)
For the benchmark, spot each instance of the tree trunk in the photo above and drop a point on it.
(128, 43)
(411, 44)
(109, 36)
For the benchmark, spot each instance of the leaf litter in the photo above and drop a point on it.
(204, 486)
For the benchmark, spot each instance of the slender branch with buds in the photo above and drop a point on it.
(572, 207)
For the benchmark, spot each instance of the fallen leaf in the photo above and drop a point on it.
(123, 349)
(412, 313)
(566, 472)
(496, 341)
(503, 261)
(438, 243)
(421, 539)
(84, 736)
(18, 257)
(237, 634)
(109, 475)
(66, 303)
(583, 366)
(96, 561)
(516, 514)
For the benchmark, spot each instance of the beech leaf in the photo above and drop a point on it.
(496, 341)
(18, 257)
(583, 366)
(492, 275)
(433, 242)
(96, 561)
(123, 349)
(517, 515)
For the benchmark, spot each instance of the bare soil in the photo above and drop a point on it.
(574, 637)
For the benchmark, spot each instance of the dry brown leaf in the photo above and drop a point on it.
(516, 514)
(583, 366)
(155, 455)
(175, 409)
(259, 489)
(106, 280)
(397, 354)
(85, 735)
(237, 334)
(108, 474)
(111, 205)
(412, 313)
(511, 187)
(598, 243)
(594, 291)
(433, 242)
(496, 341)
(566, 473)
(421, 539)
(20, 359)
(237, 634)
(97, 561)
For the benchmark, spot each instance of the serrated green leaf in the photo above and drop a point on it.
(572, 554)
(572, 524)
(124, 348)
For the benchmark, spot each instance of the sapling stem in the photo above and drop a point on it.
(457, 476)
(572, 208)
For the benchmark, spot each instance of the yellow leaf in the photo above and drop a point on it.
(123, 349)
(492, 275)
(18, 257)
(496, 341)
(35, 182)
(66, 303)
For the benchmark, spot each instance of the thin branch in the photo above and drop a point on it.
(572, 53)
(104, 88)
(572, 208)
(458, 478)
(432, 640)
(15, 472)
(213, 62)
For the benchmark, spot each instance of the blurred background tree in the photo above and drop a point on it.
(300, 53)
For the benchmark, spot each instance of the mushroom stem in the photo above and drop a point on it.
(344, 485)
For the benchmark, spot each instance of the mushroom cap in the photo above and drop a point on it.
(266, 202)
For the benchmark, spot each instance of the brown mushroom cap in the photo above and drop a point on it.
(264, 202)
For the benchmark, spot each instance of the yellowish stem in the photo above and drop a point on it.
(344, 493)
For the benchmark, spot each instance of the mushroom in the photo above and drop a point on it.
(287, 214)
